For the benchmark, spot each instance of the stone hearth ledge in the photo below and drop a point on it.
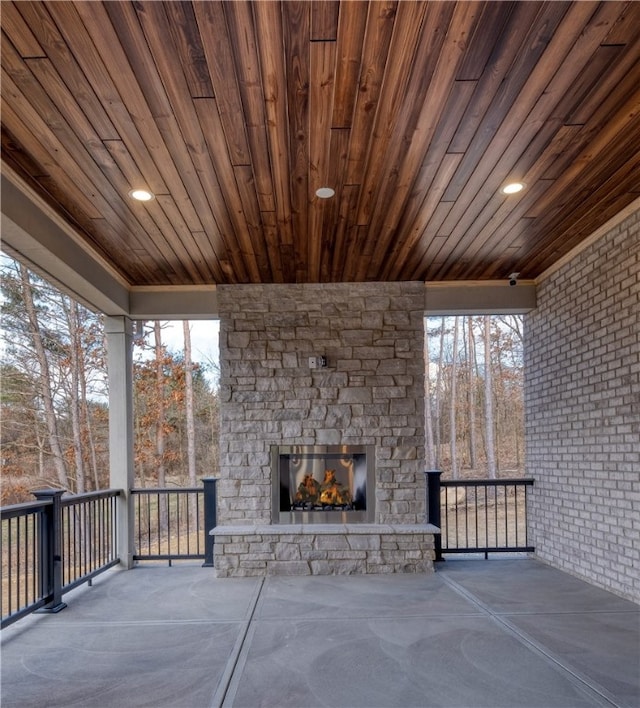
(322, 549)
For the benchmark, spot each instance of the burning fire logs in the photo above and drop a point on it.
(330, 493)
(308, 490)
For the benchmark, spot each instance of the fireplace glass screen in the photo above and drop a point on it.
(322, 484)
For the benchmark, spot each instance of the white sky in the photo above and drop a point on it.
(204, 340)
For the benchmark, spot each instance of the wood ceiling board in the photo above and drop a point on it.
(324, 20)
(389, 126)
(218, 49)
(437, 69)
(279, 233)
(462, 228)
(188, 43)
(342, 237)
(25, 124)
(500, 81)
(375, 49)
(233, 114)
(223, 192)
(164, 92)
(241, 28)
(351, 30)
(321, 66)
(296, 59)
(25, 41)
(422, 203)
(104, 87)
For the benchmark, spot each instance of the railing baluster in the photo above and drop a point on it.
(198, 547)
(446, 514)
(487, 536)
(506, 516)
(25, 557)
(517, 521)
(496, 521)
(466, 520)
(177, 498)
(35, 541)
(92, 519)
(526, 522)
(18, 562)
(457, 524)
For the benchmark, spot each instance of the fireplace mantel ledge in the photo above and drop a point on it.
(321, 529)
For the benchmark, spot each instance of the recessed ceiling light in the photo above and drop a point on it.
(325, 192)
(142, 195)
(512, 188)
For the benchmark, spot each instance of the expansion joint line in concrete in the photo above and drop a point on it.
(575, 675)
(229, 672)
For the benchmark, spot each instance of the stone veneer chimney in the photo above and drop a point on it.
(370, 393)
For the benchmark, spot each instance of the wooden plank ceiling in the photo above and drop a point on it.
(234, 113)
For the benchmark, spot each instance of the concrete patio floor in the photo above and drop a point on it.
(475, 633)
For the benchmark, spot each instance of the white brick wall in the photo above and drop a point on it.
(371, 393)
(582, 403)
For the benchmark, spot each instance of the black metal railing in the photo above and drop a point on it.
(174, 523)
(52, 545)
(89, 535)
(479, 515)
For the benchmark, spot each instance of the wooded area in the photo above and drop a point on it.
(55, 414)
(474, 396)
(55, 397)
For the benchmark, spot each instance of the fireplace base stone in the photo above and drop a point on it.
(323, 549)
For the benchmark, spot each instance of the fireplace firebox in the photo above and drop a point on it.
(319, 484)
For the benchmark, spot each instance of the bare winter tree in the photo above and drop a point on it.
(431, 452)
(439, 391)
(453, 432)
(75, 356)
(471, 394)
(488, 401)
(188, 382)
(160, 403)
(45, 378)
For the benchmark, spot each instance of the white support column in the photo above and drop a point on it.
(119, 333)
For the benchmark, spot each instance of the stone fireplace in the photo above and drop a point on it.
(322, 395)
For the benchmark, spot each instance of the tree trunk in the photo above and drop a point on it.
(160, 403)
(431, 453)
(188, 384)
(471, 396)
(163, 511)
(438, 393)
(452, 403)
(499, 414)
(45, 377)
(71, 311)
(190, 422)
(488, 401)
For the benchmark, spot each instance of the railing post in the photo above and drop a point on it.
(51, 549)
(433, 508)
(210, 518)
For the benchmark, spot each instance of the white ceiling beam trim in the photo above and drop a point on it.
(175, 303)
(31, 235)
(47, 246)
(479, 298)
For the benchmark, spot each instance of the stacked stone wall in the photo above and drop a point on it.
(582, 403)
(323, 549)
(370, 393)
